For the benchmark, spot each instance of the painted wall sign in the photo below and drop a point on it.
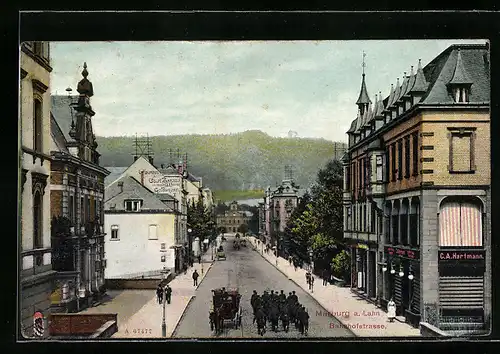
(464, 255)
(402, 252)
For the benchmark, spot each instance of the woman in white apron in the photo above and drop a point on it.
(391, 310)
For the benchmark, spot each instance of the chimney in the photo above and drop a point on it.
(120, 184)
(142, 177)
(162, 166)
(150, 158)
(135, 158)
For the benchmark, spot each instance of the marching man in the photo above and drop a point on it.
(391, 310)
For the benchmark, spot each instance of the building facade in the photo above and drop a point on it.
(169, 187)
(232, 219)
(76, 202)
(417, 193)
(141, 231)
(35, 267)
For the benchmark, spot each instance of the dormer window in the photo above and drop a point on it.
(133, 205)
(461, 94)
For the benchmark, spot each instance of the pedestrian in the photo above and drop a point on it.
(168, 293)
(195, 277)
(325, 277)
(199, 259)
(290, 259)
(308, 279)
(159, 293)
(311, 283)
(391, 310)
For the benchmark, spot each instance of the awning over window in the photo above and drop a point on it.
(460, 225)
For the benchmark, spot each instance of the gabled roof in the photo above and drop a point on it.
(169, 170)
(390, 98)
(352, 129)
(115, 173)
(441, 70)
(404, 86)
(132, 189)
(60, 108)
(421, 83)
(460, 75)
(57, 135)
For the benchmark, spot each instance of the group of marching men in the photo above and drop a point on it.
(272, 307)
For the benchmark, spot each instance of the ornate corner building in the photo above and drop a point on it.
(417, 194)
(35, 268)
(77, 201)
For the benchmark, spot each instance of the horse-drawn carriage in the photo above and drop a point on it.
(225, 309)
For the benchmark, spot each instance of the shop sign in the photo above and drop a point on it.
(463, 255)
(402, 252)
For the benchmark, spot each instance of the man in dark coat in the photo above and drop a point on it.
(252, 299)
(295, 297)
(195, 278)
(159, 294)
(282, 297)
(168, 293)
(304, 320)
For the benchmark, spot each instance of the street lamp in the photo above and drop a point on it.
(163, 322)
(190, 245)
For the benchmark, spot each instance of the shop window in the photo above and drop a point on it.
(460, 224)
(373, 219)
(461, 159)
(415, 157)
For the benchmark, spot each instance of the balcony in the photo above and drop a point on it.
(38, 267)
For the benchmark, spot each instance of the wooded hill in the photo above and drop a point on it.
(241, 161)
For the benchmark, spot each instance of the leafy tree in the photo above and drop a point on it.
(243, 228)
(199, 219)
(295, 244)
(341, 265)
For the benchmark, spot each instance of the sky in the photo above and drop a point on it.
(218, 87)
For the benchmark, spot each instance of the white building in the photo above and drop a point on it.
(35, 267)
(140, 230)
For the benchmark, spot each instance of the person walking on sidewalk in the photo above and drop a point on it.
(308, 279)
(199, 259)
(391, 310)
(311, 283)
(325, 277)
(159, 293)
(195, 278)
(168, 293)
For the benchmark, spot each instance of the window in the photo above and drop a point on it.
(461, 159)
(373, 220)
(37, 48)
(72, 209)
(461, 94)
(238, 221)
(407, 157)
(360, 175)
(415, 154)
(37, 220)
(460, 224)
(133, 205)
(37, 125)
(87, 208)
(153, 232)
(393, 162)
(387, 165)
(400, 159)
(380, 166)
(163, 246)
(114, 232)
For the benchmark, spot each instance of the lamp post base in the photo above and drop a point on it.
(163, 329)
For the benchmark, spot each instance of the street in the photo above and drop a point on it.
(248, 271)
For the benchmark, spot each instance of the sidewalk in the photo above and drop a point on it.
(360, 316)
(147, 321)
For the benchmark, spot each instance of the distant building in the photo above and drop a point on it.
(232, 219)
(141, 237)
(417, 194)
(168, 188)
(35, 267)
(77, 202)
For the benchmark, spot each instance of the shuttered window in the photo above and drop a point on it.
(461, 156)
(460, 224)
(461, 292)
(398, 289)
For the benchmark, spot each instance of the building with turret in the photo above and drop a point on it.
(417, 200)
